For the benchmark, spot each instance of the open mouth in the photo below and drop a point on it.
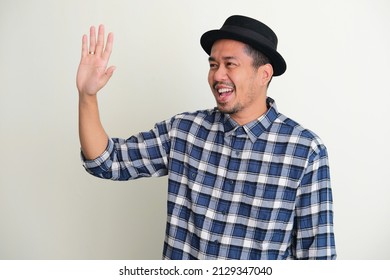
(224, 93)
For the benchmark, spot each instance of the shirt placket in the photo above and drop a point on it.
(225, 207)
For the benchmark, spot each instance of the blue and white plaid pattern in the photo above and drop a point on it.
(258, 191)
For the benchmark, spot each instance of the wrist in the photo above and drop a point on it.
(87, 98)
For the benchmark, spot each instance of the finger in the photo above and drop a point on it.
(100, 40)
(92, 39)
(108, 48)
(84, 48)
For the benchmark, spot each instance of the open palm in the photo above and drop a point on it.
(93, 74)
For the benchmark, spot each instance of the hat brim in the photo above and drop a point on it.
(209, 38)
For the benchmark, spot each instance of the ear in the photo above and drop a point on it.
(266, 72)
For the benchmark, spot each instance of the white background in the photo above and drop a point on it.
(336, 84)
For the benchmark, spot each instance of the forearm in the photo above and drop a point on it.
(93, 138)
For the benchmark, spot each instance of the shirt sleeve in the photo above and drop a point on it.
(142, 155)
(314, 235)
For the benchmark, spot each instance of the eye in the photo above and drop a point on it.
(230, 64)
(213, 65)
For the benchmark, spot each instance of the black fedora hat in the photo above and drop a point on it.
(249, 31)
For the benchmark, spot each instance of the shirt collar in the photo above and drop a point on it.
(256, 127)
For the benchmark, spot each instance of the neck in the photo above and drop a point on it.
(258, 109)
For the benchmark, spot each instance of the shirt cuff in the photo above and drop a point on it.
(102, 162)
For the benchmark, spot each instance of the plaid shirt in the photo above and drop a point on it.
(258, 191)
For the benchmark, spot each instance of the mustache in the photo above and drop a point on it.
(216, 84)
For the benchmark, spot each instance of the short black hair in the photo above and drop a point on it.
(258, 57)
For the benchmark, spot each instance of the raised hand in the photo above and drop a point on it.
(93, 74)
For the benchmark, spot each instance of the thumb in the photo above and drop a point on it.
(110, 71)
(108, 74)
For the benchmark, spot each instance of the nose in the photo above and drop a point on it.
(220, 74)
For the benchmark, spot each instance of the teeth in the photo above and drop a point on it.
(223, 90)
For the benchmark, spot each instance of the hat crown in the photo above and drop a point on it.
(251, 25)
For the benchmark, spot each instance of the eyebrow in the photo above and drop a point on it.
(223, 58)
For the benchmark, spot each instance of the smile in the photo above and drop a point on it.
(224, 90)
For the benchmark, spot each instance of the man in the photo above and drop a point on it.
(244, 181)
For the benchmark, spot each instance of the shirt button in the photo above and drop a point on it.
(216, 241)
(231, 182)
(237, 153)
(193, 175)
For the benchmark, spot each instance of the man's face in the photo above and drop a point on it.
(237, 87)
